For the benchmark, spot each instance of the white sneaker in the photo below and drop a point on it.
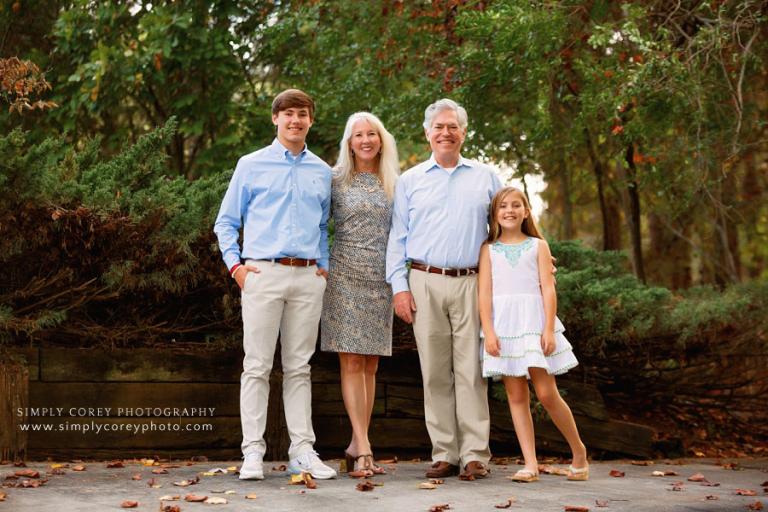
(253, 467)
(310, 463)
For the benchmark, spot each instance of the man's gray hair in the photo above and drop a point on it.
(445, 104)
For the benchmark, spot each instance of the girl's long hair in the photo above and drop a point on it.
(389, 164)
(529, 224)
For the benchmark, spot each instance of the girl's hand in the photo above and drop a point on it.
(492, 345)
(548, 343)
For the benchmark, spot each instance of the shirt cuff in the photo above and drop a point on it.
(399, 284)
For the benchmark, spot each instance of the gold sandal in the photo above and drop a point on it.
(578, 474)
(525, 475)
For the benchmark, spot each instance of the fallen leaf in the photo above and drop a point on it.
(436, 481)
(616, 473)
(366, 485)
(281, 467)
(308, 481)
(676, 486)
(78, 468)
(232, 469)
(576, 508)
(764, 484)
(168, 497)
(707, 483)
(657, 473)
(153, 484)
(506, 504)
(604, 503)
(758, 505)
(57, 466)
(170, 508)
(2, 496)
(129, 504)
(171, 466)
(28, 473)
(187, 483)
(746, 492)
(20, 464)
(712, 497)
(230, 492)
(731, 465)
(195, 499)
(393, 460)
(698, 477)
(439, 508)
(148, 462)
(57, 471)
(159, 471)
(115, 464)
(136, 477)
(296, 479)
(251, 496)
(671, 473)
(427, 485)
(641, 462)
(215, 500)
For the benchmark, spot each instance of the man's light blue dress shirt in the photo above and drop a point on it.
(283, 202)
(439, 218)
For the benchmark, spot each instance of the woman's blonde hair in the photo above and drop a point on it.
(529, 224)
(389, 165)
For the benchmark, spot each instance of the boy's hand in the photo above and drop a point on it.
(241, 274)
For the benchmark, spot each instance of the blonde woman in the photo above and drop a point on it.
(356, 320)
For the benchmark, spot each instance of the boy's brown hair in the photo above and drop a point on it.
(293, 98)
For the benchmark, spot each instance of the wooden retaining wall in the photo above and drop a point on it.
(87, 388)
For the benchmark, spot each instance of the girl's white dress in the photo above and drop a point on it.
(518, 315)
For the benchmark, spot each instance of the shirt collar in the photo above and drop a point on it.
(281, 150)
(432, 163)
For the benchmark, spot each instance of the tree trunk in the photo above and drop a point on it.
(633, 212)
(556, 110)
(670, 252)
(14, 395)
(608, 209)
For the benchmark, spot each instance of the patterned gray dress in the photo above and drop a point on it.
(357, 308)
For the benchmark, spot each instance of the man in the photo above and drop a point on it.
(281, 196)
(439, 222)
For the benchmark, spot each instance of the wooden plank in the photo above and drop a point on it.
(405, 401)
(385, 433)
(28, 356)
(102, 454)
(127, 398)
(14, 395)
(139, 365)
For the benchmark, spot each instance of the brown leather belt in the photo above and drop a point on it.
(293, 262)
(452, 272)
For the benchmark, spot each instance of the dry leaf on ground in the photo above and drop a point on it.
(28, 473)
(366, 485)
(641, 462)
(657, 473)
(746, 492)
(439, 508)
(136, 477)
(115, 464)
(2, 496)
(393, 460)
(616, 473)
(281, 467)
(427, 485)
(168, 497)
(436, 481)
(506, 504)
(698, 477)
(712, 497)
(576, 508)
(186, 483)
(159, 471)
(129, 504)
(170, 508)
(194, 498)
(57, 471)
(251, 496)
(215, 500)
(676, 486)
(758, 505)
(78, 467)
(604, 503)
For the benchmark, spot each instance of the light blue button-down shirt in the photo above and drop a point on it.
(439, 218)
(283, 202)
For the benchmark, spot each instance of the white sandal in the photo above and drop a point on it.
(525, 475)
(578, 474)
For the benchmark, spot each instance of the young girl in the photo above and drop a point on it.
(522, 336)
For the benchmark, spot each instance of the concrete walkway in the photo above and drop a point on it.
(100, 489)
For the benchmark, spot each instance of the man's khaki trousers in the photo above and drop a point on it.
(287, 300)
(447, 330)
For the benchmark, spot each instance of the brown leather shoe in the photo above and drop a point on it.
(442, 469)
(475, 469)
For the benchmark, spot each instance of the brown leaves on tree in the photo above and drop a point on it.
(365, 486)
(129, 504)
(20, 81)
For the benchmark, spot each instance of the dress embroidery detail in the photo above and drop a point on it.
(512, 252)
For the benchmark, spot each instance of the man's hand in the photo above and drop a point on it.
(322, 272)
(241, 274)
(404, 306)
